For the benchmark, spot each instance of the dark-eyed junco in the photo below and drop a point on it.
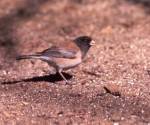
(62, 58)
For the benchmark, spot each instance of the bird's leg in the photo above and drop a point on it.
(59, 71)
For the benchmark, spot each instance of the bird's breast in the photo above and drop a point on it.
(65, 63)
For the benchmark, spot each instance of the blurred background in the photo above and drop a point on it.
(120, 61)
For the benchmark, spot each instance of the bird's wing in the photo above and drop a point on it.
(59, 53)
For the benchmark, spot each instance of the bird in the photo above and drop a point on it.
(64, 57)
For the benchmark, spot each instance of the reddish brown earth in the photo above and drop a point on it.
(112, 87)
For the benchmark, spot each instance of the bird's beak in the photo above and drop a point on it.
(92, 43)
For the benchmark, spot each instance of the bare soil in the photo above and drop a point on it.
(112, 87)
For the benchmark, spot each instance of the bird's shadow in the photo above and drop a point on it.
(52, 78)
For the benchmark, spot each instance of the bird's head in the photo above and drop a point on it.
(84, 43)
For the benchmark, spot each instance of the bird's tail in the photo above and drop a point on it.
(34, 56)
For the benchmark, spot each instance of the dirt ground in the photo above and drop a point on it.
(112, 87)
